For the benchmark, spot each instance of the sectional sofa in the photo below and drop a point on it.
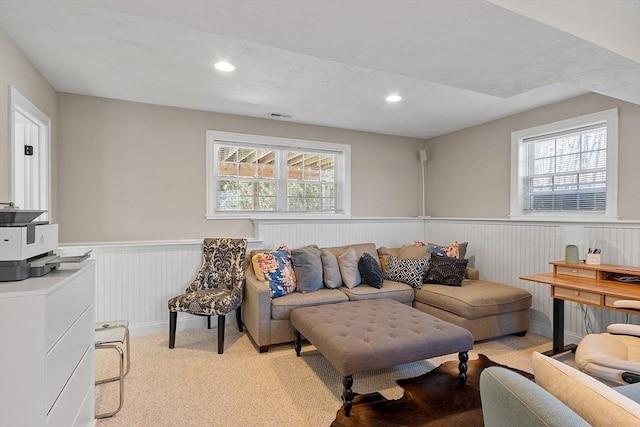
(485, 308)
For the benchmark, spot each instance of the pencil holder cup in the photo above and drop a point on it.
(593, 259)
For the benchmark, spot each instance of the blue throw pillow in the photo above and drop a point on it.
(307, 265)
(370, 270)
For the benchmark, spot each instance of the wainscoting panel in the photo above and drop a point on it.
(505, 250)
(135, 279)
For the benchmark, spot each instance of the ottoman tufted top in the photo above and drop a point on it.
(358, 336)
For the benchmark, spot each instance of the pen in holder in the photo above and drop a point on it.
(593, 257)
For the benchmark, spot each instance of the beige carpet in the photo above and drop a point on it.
(192, 385)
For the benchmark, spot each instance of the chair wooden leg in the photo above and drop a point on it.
(220, 334)
(239, 318)
(209, 322)
(173, 317)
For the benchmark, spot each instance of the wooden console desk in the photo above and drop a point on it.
(585, 284)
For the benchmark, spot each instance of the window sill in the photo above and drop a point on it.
(564, 218)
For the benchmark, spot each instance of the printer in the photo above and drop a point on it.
(26, 246)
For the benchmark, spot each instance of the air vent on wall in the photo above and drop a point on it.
(280, 115)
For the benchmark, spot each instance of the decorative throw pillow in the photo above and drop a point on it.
(308, 268)
(370, 270)
(446, 271)
(454, 250)
(330, 269)
(383, 255)
(348, 263)
(277, 270)
(409, 271)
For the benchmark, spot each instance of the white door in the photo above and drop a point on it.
(31, 174)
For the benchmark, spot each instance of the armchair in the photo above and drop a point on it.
(217, 288)
(615, 355)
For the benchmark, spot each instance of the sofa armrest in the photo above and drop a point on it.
(472, 274)
(256, 309)
(508, 398)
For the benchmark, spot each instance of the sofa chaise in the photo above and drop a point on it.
(484, 308)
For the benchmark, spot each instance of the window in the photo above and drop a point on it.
(267, 176)
(566, 169)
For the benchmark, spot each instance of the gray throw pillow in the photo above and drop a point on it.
(348, 263)
(308, 268)
(331, 269)
(446, 271)
(409, 271)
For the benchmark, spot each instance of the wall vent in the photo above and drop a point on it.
(281, 115)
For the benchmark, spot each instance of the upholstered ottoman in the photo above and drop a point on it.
(358, 336)
(486, 309)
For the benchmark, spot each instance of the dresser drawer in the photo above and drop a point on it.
(577, 296)
(577, 272)
(66, 354)
(71, 406)
(66, 304)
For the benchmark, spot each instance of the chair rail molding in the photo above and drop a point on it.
(136, 279)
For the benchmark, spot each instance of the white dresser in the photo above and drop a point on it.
(46, 349)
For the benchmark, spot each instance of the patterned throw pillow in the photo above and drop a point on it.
(409, 271)
(446, 271)
(277, 270)
(454, 250)
(370, 270)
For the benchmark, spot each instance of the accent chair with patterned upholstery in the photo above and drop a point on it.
(217, 288)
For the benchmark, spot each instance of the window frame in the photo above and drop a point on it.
(519, 168)
(342, 173)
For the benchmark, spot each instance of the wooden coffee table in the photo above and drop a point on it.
(359, 336)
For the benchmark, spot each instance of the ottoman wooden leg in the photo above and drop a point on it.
(347, 394)
(463, 357)
(297, 340)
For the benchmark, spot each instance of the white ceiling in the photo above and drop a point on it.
(332, 63)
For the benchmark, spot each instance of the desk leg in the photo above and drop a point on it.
(558, 330)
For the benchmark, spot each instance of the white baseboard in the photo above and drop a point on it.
(185, 321)
(547, 331)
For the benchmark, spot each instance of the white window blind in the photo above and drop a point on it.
(567, 171)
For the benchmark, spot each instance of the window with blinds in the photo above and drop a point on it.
(253, 174)
(566, 169)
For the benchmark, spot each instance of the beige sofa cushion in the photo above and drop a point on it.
(597, 403)
(474, 299)
(400, 292)
(281, 307)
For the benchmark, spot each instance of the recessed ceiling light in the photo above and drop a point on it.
(224, 66)
(393, 98)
